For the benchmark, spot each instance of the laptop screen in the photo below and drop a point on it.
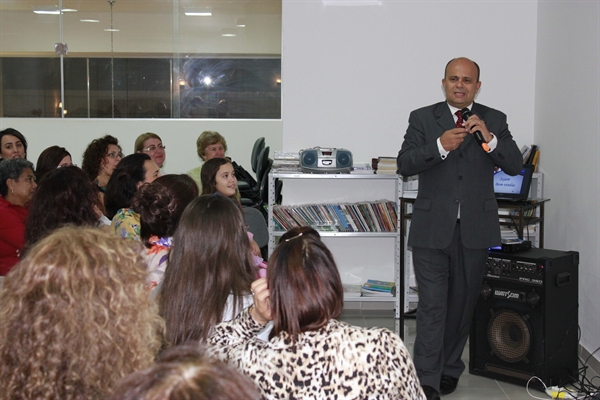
(515, 187)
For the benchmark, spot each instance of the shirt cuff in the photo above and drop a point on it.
(492, 143)
(443, 152)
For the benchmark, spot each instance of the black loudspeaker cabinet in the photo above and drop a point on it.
(526, 318)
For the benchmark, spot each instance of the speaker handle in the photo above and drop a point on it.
(563, 279)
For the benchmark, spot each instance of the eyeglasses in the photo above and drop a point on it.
(114, 154)
(153, 148)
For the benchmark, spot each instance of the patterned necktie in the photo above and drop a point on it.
(459, 121)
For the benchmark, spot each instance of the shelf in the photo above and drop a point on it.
(347, 234)
(369, 299)
(331, 176)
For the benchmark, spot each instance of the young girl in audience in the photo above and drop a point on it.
(75, 318)
(160, 205)
(218, 176)
(131, 173)
(210, 270)
(310, 354)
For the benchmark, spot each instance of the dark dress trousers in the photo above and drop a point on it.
(449, 256)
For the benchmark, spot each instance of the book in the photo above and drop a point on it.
(376, 288)
(362, 169)
(535, 160)
(531, 154)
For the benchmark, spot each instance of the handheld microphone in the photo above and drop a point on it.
(466, 114)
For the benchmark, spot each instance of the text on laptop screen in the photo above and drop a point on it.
(507, 184)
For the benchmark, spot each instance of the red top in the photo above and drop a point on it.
(12, 234)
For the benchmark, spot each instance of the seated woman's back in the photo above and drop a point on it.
(310, 354)
(209, 273)
(160, 205)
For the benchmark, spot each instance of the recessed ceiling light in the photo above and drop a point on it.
(240, 23)
(89, 20)
(228, 32)
(111, 30)
(199, 14)
(52, 11)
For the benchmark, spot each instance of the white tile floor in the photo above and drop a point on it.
(470, 387)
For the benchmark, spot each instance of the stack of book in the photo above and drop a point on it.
(374, 288)
(286, 162)
(531, 155)
(386, 165)
(379, 216)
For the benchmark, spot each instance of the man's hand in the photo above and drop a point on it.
(474, 124)
(452, 138)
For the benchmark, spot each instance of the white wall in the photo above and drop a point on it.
(178, 135)
(567, 129)
(351, 75)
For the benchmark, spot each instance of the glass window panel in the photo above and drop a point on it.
(159, 66)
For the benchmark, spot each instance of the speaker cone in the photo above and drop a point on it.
(344, 159)
(309, 158)
(509, 336)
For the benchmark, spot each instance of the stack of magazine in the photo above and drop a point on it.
(373, 288)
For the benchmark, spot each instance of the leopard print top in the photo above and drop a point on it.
(338, 361)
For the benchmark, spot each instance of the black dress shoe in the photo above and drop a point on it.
(430, 393)
(448, 384)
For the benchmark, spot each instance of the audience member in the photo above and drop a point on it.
(65, 196)
(131, 173)
(100, 160)
(50, 159)
(151, 144)
(160, 205)
(185, 372)
(75, 318)
(17, 185)
(12, 144)
(210, 270)
(209, 145)
(310, 354)
(218, 176)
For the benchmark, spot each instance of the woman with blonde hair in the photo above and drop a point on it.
(75, 318)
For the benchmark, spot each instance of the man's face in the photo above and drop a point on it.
(461, 83)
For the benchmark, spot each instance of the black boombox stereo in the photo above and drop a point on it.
(322, 160)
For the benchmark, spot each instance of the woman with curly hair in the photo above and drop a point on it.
(131, 173)
(64, 196)
(50, 159)
(160, 205)
(210, 270)
(75, 318)
(100, 159)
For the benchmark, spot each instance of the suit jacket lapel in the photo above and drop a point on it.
(443, 117)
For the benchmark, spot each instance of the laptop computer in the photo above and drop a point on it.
(513, 188)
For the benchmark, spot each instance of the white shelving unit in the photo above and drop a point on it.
(358, 255)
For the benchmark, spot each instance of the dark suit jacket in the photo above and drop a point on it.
(465, 177)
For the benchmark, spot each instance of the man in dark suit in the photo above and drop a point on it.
(455, 217)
